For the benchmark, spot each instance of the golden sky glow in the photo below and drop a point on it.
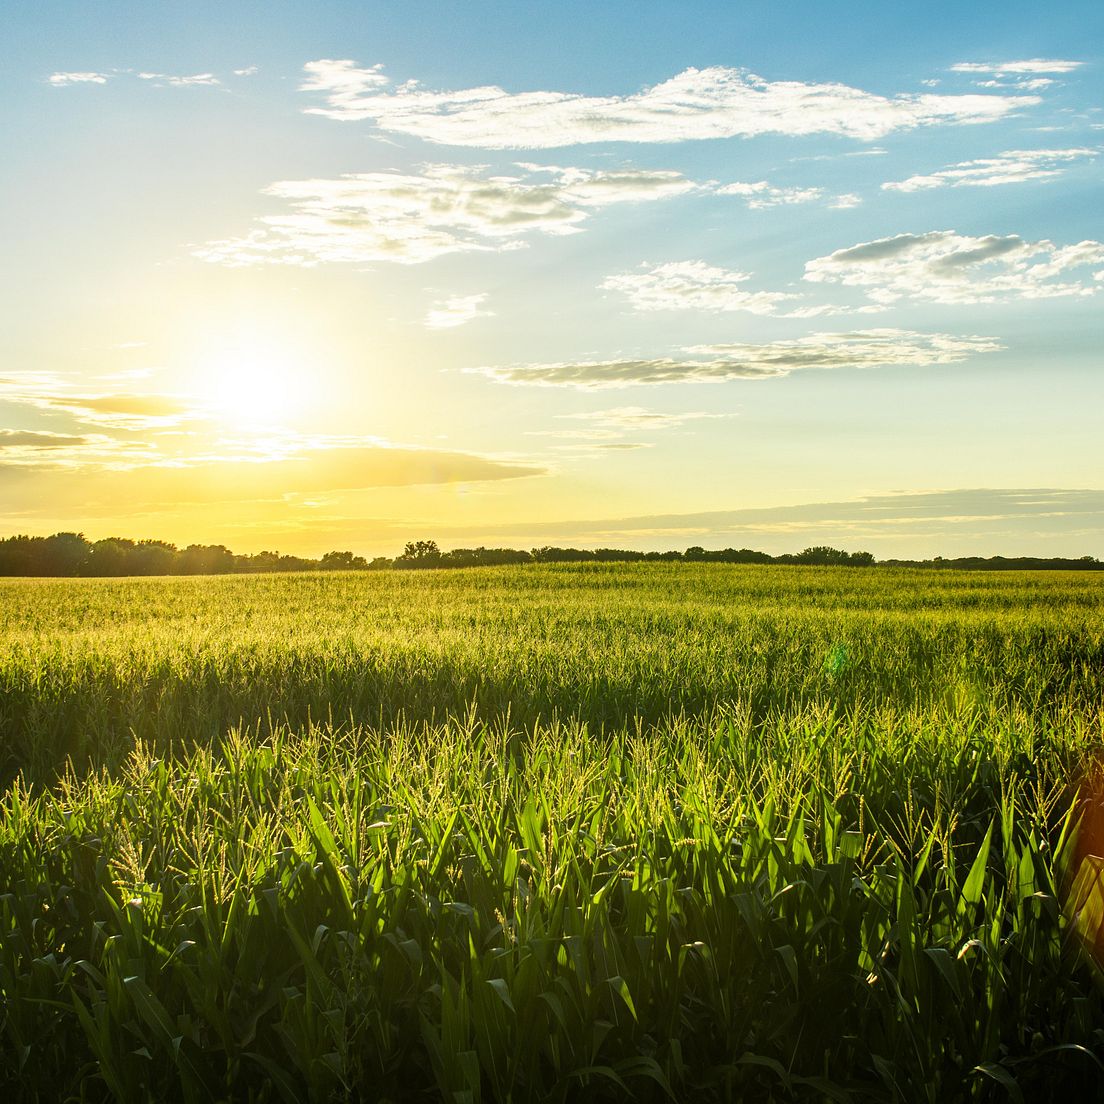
(343, 284)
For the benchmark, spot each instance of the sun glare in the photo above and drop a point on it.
(252, 382)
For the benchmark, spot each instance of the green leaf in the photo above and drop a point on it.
(975, 880)
(998, 1073)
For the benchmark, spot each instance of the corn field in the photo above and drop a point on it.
(553, 833)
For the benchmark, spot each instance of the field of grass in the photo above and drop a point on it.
(557, 833)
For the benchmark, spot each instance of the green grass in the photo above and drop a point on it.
(551, 833)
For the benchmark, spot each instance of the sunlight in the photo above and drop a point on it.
(252, 380)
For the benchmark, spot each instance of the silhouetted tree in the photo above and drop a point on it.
(153, 557)
(110, 557)
(63, 554)
(206, 559)
(342, 561)
(423, 553)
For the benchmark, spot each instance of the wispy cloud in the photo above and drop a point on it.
(38, 439)
(693, 285)
(610, 426)
(1014, 68)
(944, 267)
(638, 417)
(122, 411)
(23, 450)
(248, 71)
(1023, 84)
(61, 80)
(118, 411)
(716, 102)
(410, 218)
(721, 363)
(457, 310)
(180, 81)
(1010, 167)
(761, 194)
(157, 80)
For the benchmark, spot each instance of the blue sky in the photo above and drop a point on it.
(306, 276)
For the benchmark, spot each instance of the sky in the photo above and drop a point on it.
(641, 275)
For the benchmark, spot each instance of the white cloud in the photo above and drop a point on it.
(716, 102)
(1030, 65)
(761, 194)
(696, 285)
(846, 201)
(180, 81)
(693, 285)
(248, 71)
(720, 363)
(410, 218)
(342, 82)
(61, 80)
(944, 267)
(1010, 167)
(456, 311)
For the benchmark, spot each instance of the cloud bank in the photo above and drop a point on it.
(111, 478)
(973, 521)
(944, 267)
(721, 363)
(716, 102)
(409, 218)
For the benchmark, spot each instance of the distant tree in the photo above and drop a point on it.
(821, 554)
(421, 550)
(153, 557)
(264, 561)
(21, 555)
(206, 559)
(746, 555)
(342, 561)
(617, 555)
(423, 553)
(551, 554)
(63, 554)
(110, 557)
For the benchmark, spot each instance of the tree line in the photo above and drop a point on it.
(72, 554)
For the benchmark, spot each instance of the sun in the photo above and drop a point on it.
(252, 380)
